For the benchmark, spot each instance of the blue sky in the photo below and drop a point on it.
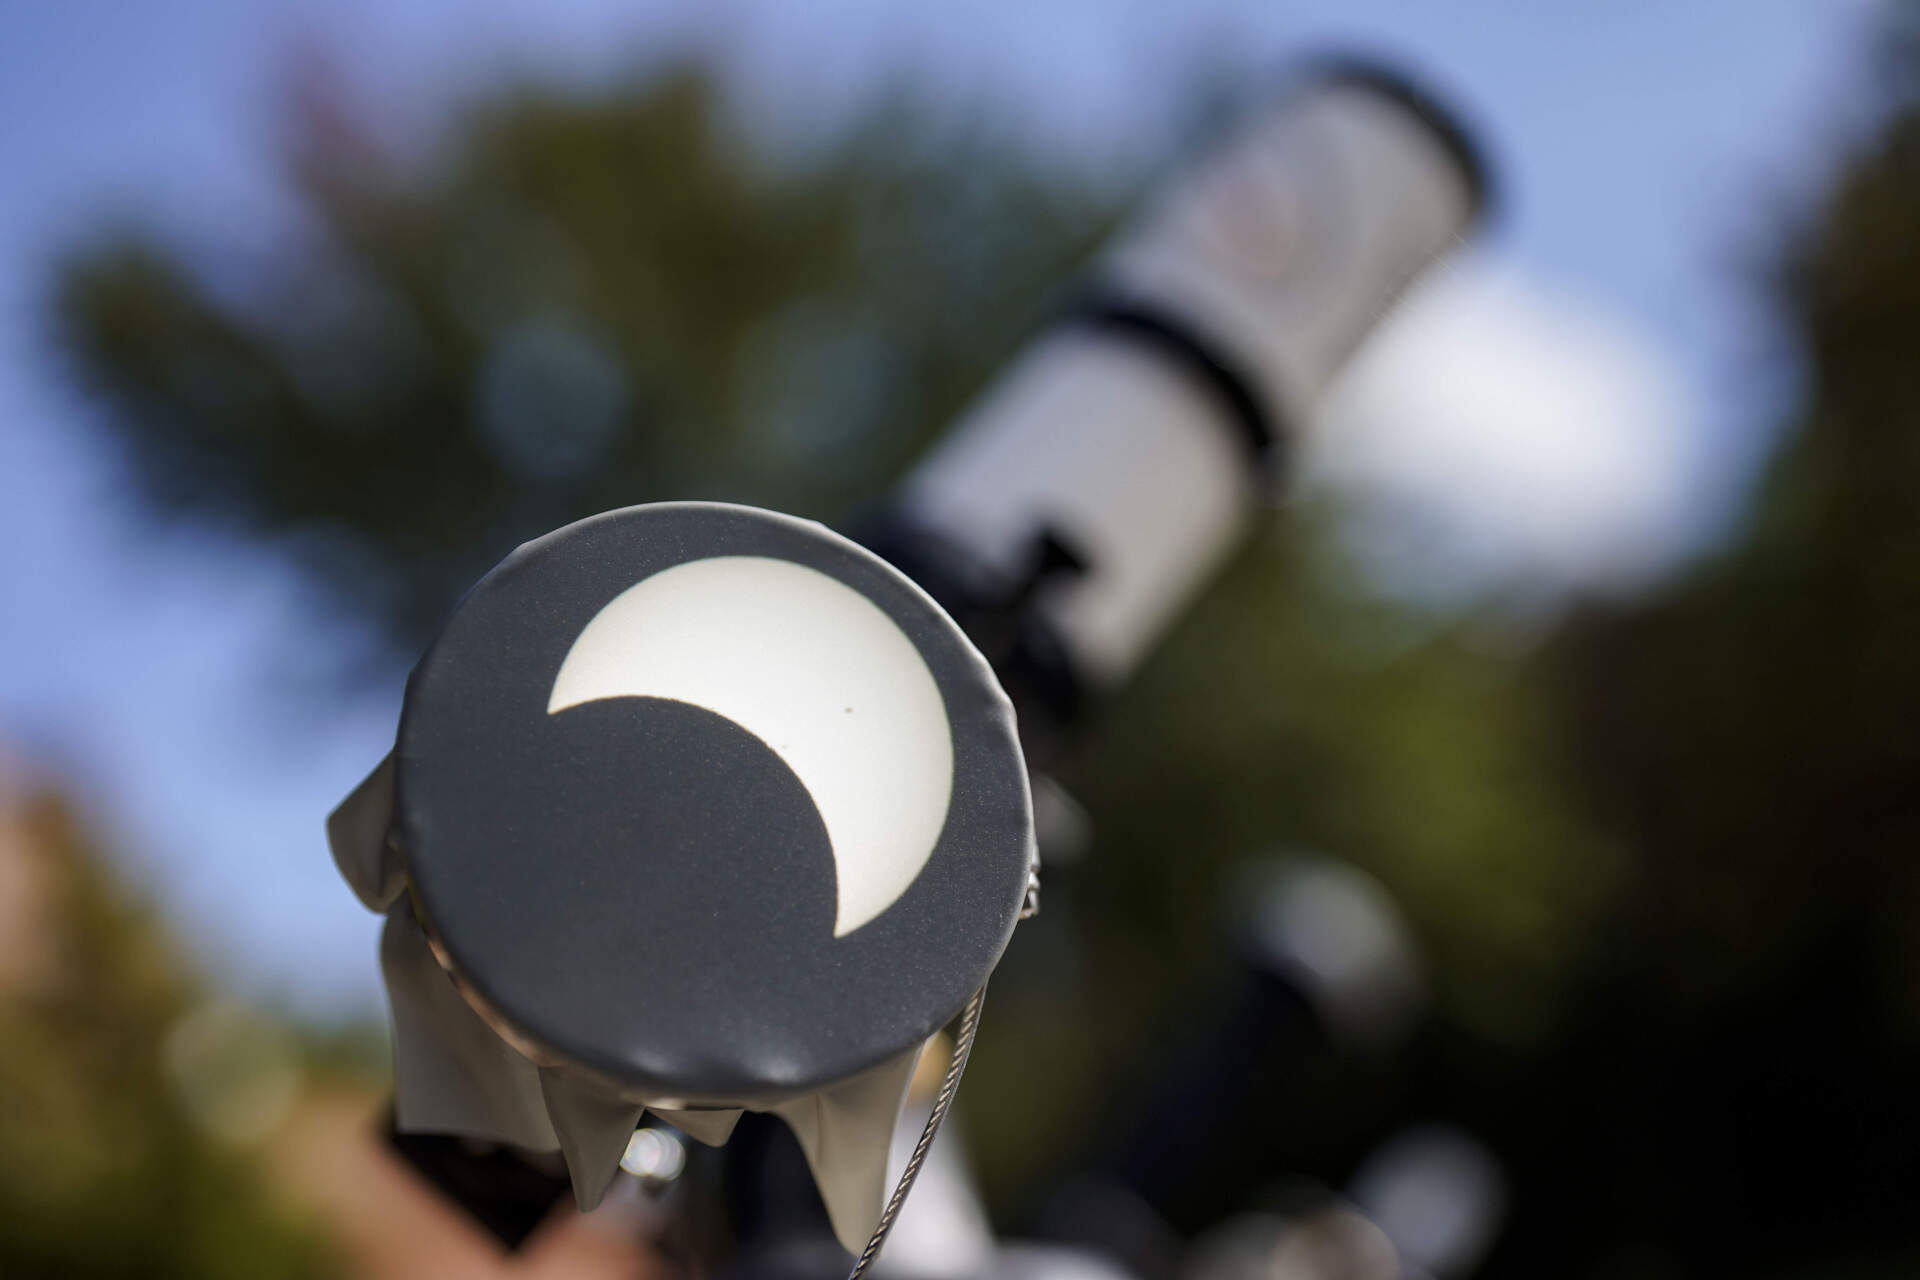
(1646, 151)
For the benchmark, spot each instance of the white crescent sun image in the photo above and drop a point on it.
(817, 672)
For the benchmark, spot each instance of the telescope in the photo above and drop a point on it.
(701, 811)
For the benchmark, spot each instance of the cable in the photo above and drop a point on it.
(942, 1103)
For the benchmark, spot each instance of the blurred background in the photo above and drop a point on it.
(1588, 630)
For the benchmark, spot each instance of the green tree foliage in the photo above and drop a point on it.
(102, 1173)
(583, 304)
(1749, 733)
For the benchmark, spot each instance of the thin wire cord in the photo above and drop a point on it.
(942, 1103)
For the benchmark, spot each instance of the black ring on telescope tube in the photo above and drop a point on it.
(1170, 335)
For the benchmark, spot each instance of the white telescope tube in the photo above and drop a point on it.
(1143, 436)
